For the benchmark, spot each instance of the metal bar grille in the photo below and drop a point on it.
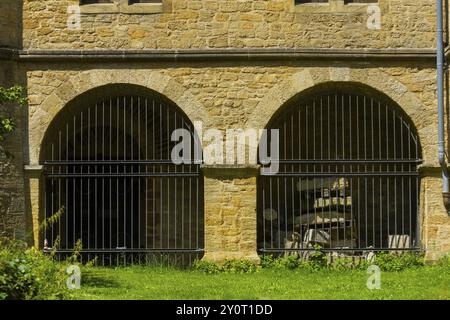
(108, 165)
(347, 178)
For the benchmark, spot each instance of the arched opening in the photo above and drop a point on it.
(347, 177)
(109, 174)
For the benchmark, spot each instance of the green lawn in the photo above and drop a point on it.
(158, 283)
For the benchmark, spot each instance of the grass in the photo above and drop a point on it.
(151, 283)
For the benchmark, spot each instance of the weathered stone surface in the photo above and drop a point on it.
(273, 23)
(226, 97)
(230, 226)
(222, 95)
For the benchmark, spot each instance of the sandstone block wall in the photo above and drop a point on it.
(231, 24)
(239, 94)
(230, 217)
(13, 220)
(223, 96)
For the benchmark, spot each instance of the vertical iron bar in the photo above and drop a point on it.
(81, 180)
(395, 170)
(132, 178)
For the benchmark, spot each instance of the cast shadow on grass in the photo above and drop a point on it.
(96, 280)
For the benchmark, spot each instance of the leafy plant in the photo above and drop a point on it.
(398, 262)
(76, 252)
(317, 259)
(53, 219)
(10, 95)
(268, 261)
(206, 267)
(348, 263)
(289, 262)
(239, 266)
(26, 273)
(444, 262)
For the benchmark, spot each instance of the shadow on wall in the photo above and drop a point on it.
(14, 220)
(11, 24)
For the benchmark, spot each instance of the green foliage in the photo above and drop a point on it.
(53, 219)
(348, 263)
(317, 260)
(76, 253)
(268, 261)
(444, 262)
(10, 95)
(229, 266)
(289, 262)
(206, 267)
(26, 273)
(398, 262)
(239, 266)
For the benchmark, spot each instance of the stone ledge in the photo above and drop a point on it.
(122, 6)
(427, 171)
(33, 171)
(230, 171)
(230, 54)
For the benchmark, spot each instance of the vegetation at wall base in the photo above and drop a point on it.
(27, 273)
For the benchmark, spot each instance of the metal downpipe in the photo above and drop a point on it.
(440, 95)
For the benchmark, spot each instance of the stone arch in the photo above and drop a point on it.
(373, 79)
(42, 115)
(112, 147)
(325, 145)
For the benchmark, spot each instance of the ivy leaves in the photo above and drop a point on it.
(10, 95)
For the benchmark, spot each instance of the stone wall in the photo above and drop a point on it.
(226, 96)
(230, 213)
(12, 198)
(232, 24)
(232, 96)
(240, 94)
(435, 224)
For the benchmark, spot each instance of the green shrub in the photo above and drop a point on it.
(239, 266)
(268, 261)
(290, 262)
(398, 262)
(318, 260)
(346, 263)
(26, 273)
(206, 266)
(444, 262)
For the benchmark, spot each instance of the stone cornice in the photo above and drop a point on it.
(207, 55)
